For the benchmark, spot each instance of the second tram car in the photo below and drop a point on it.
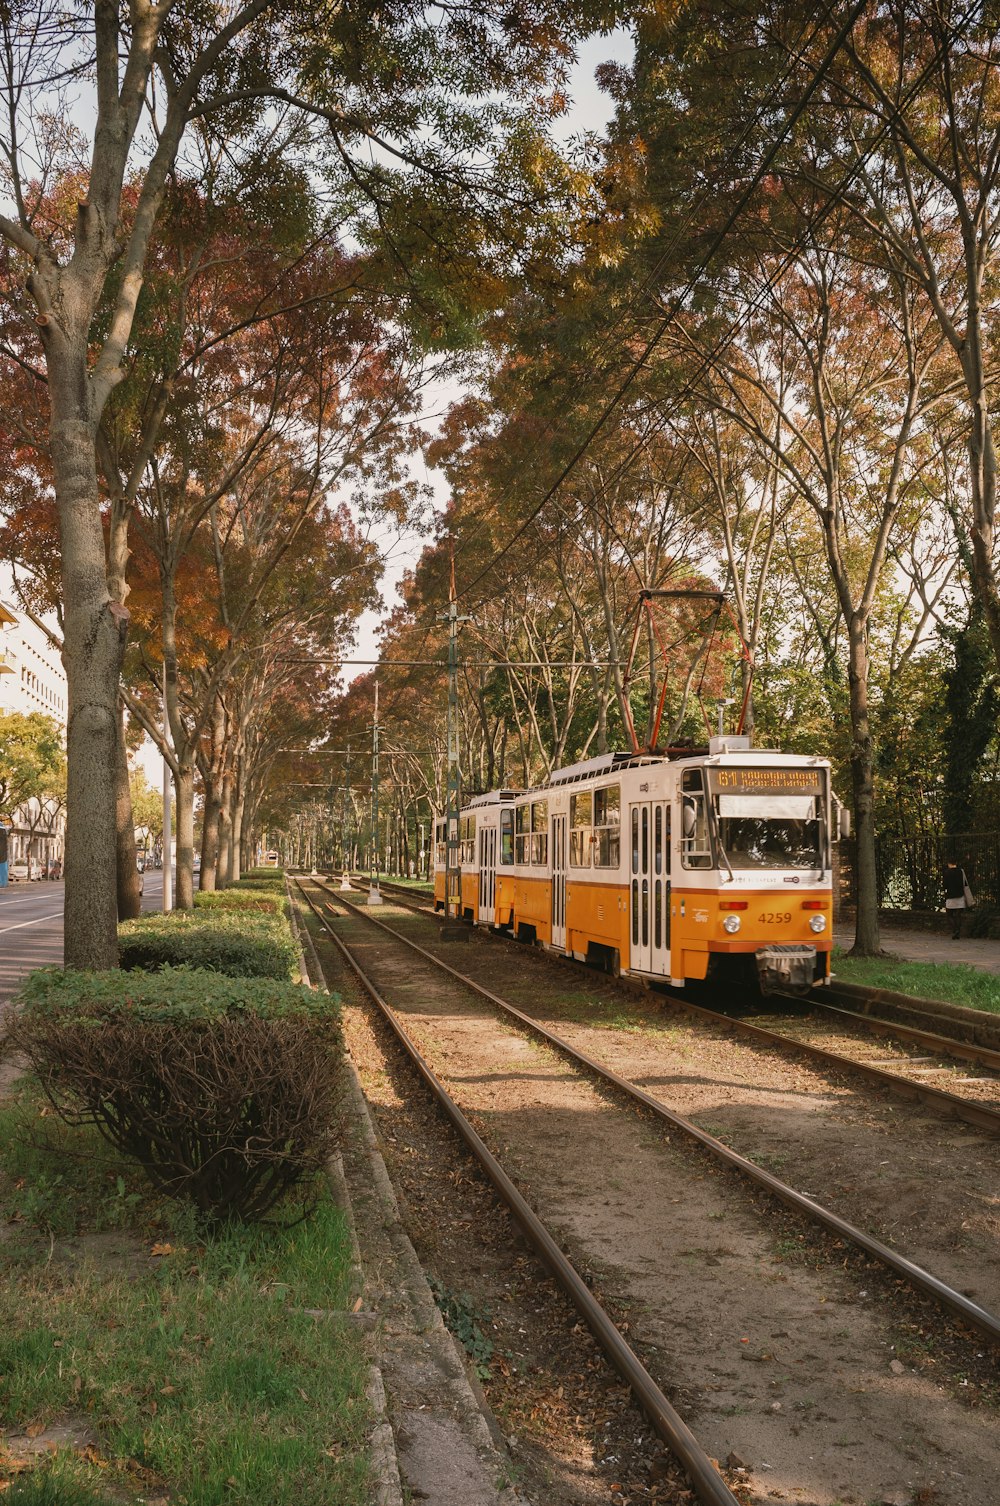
(673, 868)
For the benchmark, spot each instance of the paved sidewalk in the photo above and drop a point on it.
(931, 946)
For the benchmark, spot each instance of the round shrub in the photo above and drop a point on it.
(225, 1090)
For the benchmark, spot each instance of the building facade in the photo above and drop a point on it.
(32, 679)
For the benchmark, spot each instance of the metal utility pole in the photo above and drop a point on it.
(452, 873)
(345, 836)
(374, 895)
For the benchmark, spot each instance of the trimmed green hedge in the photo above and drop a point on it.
(225, 1090)
(260, 879)
(241, 943)
(242, 899)
(172, 995)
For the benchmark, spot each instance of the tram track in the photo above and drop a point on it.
(709, 1485)
(763, 1179)
(960, 1306)
(968, 1109)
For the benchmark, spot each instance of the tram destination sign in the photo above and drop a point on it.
(765, 781)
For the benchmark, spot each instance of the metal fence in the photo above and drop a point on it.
(909, 869)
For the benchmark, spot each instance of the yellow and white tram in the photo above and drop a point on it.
(673, 868)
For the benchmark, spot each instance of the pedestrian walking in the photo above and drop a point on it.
(957, 896)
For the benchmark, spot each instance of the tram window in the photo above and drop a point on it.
(506, 837)
(658, 840)
(607, 824)
(695, 849)
(581, 816)
(635, 840)
(540, 832)
(467, 841)
(771, 832)
(522, 840)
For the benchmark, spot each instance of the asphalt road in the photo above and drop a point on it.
(31, 926)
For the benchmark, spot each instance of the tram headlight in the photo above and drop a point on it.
(731, 924)
(817, 923)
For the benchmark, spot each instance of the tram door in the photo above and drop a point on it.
(487, 874)
(649, 887)
(558, 838)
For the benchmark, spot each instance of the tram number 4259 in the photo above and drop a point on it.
(775, 917)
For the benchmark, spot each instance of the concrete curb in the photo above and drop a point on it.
(434, 1437)
(382, 1443)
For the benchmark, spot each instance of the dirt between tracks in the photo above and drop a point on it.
(791, 1360)
(574, 1434)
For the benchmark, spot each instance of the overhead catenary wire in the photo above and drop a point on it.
(463, 663)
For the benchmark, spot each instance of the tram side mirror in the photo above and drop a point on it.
(689, 817)
(843, 822)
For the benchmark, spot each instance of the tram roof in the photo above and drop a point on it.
(604, 763)
(491, 797)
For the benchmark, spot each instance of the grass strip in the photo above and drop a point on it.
(179, 1365)
(954, 983)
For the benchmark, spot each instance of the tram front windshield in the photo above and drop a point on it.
(770, 828)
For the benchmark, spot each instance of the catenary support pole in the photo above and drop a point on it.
(453, 876)
(374, 893)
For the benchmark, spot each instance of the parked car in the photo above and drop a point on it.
(18, 873)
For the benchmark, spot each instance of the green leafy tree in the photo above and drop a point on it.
(147, 804)
(32, 760)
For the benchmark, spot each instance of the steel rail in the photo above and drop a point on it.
(952, 1105)
(923, 1281)
(965, 1050)
(711, 1489)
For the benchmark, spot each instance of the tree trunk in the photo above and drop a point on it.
(184, 793)
(222, 875)
(210, 836)
(236, 841)
(212, 774)
(867, 942)
(93, 642)
(129, 897)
